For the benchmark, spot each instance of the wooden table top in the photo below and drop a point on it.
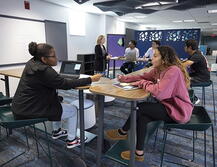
(105, 87)
(17, 72)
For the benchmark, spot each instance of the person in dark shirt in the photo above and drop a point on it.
(101, 55)
(36, 95)
(197, 65)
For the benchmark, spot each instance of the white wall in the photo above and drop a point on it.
(95, 25)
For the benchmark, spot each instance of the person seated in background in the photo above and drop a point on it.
(131, 54)
(150, 52)
(197, 65)
(36, 95)
(168, 83)
(101, 55)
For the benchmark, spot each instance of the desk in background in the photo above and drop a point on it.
(114, 59)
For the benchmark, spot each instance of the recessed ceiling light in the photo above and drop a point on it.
(214, 24)
(188, 21)
(177, 21)
(151, 4)
(140, 17)
(212, 11)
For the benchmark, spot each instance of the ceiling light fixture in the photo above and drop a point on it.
(159, 3)
(214, 24)
(177, 21)
(212, 11)
(189, 21)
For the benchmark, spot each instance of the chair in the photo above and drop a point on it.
(4, 99)
(204, 85)
(7, 121)
(200, 121)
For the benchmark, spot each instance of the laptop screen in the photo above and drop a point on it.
(71, 67)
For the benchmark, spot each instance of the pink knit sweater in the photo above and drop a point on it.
(169, 88)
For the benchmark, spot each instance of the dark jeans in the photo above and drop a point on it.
(127, 67)
(147, 112)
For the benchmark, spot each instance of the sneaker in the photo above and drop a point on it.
(126, 155)
(113, 134)
(74, 143)
(56, 134)
(196, 100)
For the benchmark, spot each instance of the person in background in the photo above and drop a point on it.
(101, 55)
(131, 54)
(150, 52)
(168, 83)
(36, 95)
(197, 63)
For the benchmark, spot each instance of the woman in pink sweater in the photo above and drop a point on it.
(168, 83)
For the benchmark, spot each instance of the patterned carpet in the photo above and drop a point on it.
(115, 115)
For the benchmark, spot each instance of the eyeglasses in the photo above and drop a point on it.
(51, 56)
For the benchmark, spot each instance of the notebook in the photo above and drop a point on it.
(125, 86)
(71, 69)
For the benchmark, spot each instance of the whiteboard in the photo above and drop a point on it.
(15, 35)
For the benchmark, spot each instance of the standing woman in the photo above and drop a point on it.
(36, 95)
(101, 55)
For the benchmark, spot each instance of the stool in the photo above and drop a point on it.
(203, 85)
(89, 113)
(7, 121)
(200, 121)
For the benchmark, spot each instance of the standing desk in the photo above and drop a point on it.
(105, 88)
(17, 73)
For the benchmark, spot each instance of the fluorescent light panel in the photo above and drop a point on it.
(177, 21)
(212, 11)
(188, 21)
(214, 24)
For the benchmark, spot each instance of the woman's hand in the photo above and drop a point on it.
(120, 78)
(108, 57)
(134, 83)
(96, 77)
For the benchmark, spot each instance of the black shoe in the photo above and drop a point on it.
(74, 143)
(56, 134)
(196, 100)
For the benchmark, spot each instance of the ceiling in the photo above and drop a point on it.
(155, 17)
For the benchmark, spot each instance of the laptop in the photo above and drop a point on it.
(71, 69)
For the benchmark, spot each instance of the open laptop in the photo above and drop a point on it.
(71, 69)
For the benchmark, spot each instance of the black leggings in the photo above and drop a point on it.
(127, 67)
(147, 112)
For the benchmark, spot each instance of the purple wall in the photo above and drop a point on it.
(114, 48)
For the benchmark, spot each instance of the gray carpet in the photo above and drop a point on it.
(115, 115)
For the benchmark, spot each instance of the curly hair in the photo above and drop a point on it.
(168, 55)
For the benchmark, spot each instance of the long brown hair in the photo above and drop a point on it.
(170, 58)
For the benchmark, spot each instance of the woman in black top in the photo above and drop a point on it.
(36, 95)
(101, 55)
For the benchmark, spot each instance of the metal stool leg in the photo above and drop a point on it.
(213, 98)
(205, 148)
(193, 145)
(36, 140)
(164, 143)
(203, 96)
(213, 146)
(155, 140)
(48, 145)
(27, 141)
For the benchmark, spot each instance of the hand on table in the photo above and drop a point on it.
(96, 77)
